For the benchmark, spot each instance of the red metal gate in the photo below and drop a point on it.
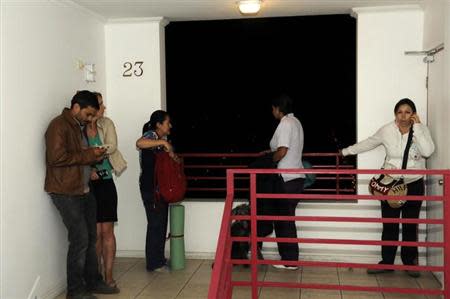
(222, 285)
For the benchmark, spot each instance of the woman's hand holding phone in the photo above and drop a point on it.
(415, 119)
(100, 153)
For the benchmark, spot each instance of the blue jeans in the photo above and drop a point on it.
(79, 216)
(157, 214)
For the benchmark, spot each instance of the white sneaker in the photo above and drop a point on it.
(285, 267)
(163, 269)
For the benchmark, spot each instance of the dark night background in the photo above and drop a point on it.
(222, 75)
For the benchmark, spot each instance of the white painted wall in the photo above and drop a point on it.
(130, 101)
(384, 73)
(437, 31)
(40, 45)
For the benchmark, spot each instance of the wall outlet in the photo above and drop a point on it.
(89, 72)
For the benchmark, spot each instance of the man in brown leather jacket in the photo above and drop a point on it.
(68, 160)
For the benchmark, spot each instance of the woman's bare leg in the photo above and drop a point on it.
(108, 250)
(99, 248)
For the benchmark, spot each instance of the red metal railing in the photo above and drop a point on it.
(206, 172)
(221, 285)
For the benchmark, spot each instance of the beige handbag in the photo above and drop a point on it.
(387, 185)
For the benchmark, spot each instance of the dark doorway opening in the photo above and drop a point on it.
(222, 75)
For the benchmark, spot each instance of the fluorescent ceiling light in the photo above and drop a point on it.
(247, 7)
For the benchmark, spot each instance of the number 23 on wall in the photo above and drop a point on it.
(137, 70)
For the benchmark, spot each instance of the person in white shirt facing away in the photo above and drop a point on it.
(286, 146)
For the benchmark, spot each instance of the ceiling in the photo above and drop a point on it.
(178, 10)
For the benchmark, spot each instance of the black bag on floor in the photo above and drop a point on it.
(240, 228)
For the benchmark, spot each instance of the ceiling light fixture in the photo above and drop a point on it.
(249, 7)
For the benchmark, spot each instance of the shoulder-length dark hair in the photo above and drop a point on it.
(159, 116)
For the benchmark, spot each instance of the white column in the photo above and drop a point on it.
(135, 79)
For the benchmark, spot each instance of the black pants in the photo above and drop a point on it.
(157, 214)
(283, 229)
(79, 216)
(411, 209)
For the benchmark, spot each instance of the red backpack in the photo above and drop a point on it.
(170, 181)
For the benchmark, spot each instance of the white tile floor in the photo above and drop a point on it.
(193, 282)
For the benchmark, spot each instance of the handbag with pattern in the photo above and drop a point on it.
(387, 185)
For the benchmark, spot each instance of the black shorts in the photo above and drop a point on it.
(106, 196)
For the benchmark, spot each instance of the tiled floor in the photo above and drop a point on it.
(193, 282)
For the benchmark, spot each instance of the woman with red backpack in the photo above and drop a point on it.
(154, 140)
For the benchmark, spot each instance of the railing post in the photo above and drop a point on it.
(220, 285)
(337, 175)
(253, 236)
(228, 266)
(228, 292)
(446, 238)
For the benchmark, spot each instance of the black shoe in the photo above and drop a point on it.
(379, 271)
(412, 273)
(82, 296)
(102, 288)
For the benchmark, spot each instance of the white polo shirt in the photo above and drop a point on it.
(289, 133)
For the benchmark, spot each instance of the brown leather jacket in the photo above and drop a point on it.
(65, 156)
